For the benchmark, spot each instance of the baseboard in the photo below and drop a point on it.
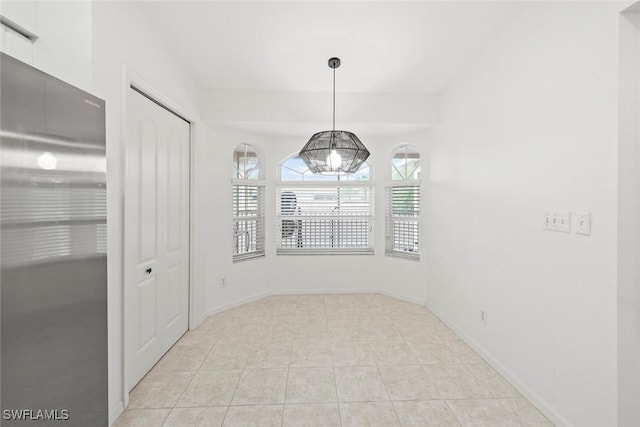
(401, 297)
(264, 294)
(197, 322)
(324, 291)
(533, 397)
(238, 302)
(116, 412)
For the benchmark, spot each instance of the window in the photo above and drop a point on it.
(324, 213)
(248, 205)
(403, 205)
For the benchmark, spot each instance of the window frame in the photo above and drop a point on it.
(393, 220)
(307, 186)
(258, 185)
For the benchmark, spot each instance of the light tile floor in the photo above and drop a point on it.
(325, 360)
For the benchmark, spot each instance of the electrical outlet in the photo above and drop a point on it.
(223, 283)
(483, 316)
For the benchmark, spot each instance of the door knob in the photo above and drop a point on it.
(149, 270)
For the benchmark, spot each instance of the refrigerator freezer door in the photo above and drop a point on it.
(53, 280)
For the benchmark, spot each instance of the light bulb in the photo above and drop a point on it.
(334, 160)
(47, 161)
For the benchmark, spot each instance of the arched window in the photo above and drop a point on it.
(324, 213)
(246, 164)
(402, 231)
(248, 204)
(405, 164)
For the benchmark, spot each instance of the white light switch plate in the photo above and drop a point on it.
(583, 223)
(557, 221)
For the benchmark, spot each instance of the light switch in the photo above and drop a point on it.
(563, 221)
(546, 222)
(557, 221)
(583, 223)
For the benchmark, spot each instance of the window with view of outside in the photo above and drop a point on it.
(324, 213)
(402, 230)
(248, 204)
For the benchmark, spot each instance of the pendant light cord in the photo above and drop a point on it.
(334, 99)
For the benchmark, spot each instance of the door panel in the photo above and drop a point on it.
(148, 196)
(148, 332)
(156, 233)
(174, 197)
(173, 302)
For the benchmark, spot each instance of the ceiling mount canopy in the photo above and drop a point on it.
(334, 152)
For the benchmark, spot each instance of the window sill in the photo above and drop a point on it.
(411, 256)
(247, 257)
(324, 252)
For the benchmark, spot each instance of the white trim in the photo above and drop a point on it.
(324, 251)
(411, 256)
(307, 184)
(401, 297)
(533, 397)
(123, 155)
(280, 164)
(248, 256)
(130, 78)
(404, 183)
(116, 412)
(238, 302)
(254, 182)
(325, 291)
(323, 217)
(264, 294)
(192, 222)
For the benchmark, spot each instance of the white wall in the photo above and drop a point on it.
(629, 222)
(400, 277)
(290, 273)
(123, 37)
(63, 47)
(214, 244)
(302, 113)
(532, 125)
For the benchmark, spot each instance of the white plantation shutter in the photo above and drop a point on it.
(248, 221)
(325, 217)
(403, 220)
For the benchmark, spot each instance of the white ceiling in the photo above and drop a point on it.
(385, 47)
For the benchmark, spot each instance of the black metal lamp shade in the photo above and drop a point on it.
(334, 152)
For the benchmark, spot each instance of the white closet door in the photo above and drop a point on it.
(157, 233)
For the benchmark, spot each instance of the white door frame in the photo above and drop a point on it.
(130, 79)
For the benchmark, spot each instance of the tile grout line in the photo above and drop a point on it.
(286, 383)
(253, 322)
(333, 369)
(236, 387)
(388, 394)
(189, 383)
(335, 383)
(447, 402)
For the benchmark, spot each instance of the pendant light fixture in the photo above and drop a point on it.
(334, 152)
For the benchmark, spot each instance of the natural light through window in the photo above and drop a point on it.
(402, 213)
(248, 204)
(324, 213)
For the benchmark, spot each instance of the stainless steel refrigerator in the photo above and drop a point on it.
(53, 282)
